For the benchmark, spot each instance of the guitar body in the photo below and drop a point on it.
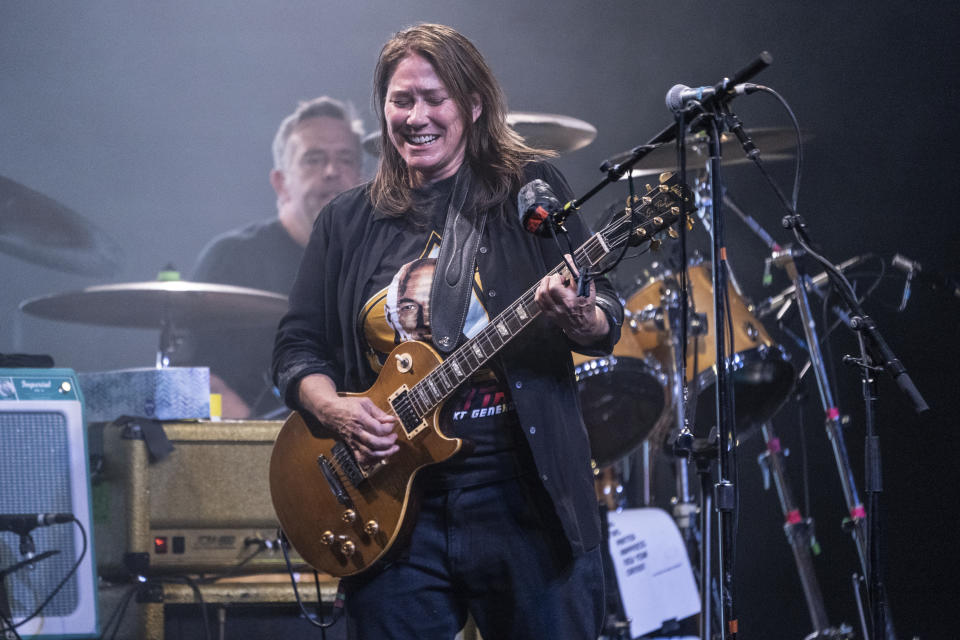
(340, 525)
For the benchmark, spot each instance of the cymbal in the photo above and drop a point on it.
(541, 130)
(699, 164)
(162, 304)
(39, 229)
(552, 131)
(775, 143)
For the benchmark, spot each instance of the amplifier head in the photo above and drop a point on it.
(205, 507)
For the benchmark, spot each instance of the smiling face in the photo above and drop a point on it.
(424, 123)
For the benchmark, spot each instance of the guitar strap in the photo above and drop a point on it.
(453, 278)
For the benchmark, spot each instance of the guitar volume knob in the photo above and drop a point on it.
(327, 537)
(348, 548)
(371, 528)
(349, 516)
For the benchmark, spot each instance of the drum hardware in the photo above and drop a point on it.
(39, 229)
(168, 305)
(874, 601)
(785, 297)
(539, 130)
(762, 370)
(800, 536)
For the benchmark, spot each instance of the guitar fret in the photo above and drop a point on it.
(490, 335)
(514, 321)
(478, 352)
(416, 400)
(450, 382)
(434, 388)
(455, 365)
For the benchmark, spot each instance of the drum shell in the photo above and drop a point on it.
(748, 333)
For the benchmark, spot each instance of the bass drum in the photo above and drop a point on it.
(762, 373)
(624, 397)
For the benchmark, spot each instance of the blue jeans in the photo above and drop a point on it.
(496, 551)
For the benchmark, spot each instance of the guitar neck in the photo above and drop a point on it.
(477, 351)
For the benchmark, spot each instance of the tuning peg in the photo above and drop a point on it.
(672, 233)
(655, 244)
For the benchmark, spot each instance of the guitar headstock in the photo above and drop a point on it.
(657, 209)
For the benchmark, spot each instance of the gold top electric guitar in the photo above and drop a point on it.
(343, 517)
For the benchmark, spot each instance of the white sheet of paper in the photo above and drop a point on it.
(653, 569)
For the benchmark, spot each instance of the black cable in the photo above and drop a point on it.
(317, 618)
(798, 161)
(6, 626)
(106, 625)
(56, 590)
(119, 612)
(235, 569)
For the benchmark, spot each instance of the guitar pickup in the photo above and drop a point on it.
(336, 487)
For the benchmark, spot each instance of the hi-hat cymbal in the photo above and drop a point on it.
(774, 143)
(540, 130)
(162, 304)
(39, 229)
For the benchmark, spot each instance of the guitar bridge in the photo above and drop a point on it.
(348, 464)
(336, 487)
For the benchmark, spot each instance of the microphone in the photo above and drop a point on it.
(680, 94)
(23, 523)
(935, 280)
(536, 206)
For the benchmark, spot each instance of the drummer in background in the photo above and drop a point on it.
(316, 155)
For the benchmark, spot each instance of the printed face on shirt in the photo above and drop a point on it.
(322, 159)
(411, 312)
(423, 121)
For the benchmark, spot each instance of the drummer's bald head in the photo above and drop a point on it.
(323, 106)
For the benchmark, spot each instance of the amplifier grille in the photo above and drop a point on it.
(35, 478)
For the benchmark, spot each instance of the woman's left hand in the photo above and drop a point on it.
(579, 317)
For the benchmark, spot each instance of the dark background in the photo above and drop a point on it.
(154, 120)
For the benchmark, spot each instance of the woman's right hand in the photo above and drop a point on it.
(361, 424)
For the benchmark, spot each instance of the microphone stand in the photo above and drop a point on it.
(724, 495)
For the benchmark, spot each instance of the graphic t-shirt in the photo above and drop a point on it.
(397, 309)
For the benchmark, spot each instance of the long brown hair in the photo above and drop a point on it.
(494, 151)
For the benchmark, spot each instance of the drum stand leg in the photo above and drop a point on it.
(857, 513)
(799, 531)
